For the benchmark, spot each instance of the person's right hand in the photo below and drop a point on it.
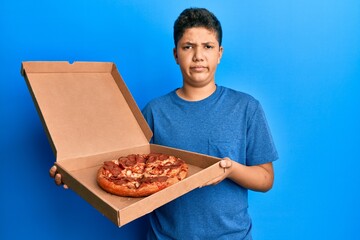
(57, 177)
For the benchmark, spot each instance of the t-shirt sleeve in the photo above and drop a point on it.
(260, 145)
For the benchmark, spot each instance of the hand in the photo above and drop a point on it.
(57, 177)
(226, 164)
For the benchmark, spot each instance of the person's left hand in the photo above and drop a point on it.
(226, 164)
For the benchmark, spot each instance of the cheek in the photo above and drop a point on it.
(182, 65)
(183, 62)
(217, 59)
(214, 62)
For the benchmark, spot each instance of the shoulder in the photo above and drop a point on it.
(236, 93)
(158, 101)
(158, 104)
(238, 97)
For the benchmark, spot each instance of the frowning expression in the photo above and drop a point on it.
(198, 53)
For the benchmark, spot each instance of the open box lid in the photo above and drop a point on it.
(86, 108)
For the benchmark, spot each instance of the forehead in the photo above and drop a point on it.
(198, 34)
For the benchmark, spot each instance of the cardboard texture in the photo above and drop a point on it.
(90, 116)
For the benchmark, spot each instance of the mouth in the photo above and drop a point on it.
(198, 68)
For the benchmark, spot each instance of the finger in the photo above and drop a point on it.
(213, 181)
(225, 163)
(52, 171)
(58, 179)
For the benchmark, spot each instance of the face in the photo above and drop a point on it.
(198, 53)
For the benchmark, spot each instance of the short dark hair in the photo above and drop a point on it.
(196, 17)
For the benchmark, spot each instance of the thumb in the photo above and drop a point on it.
(225, 163)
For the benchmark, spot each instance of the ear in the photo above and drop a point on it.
(221, 50)
(175, 55)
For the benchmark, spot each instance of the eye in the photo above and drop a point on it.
(209, 46)
(187, 47)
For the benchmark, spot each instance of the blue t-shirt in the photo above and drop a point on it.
(228, 123)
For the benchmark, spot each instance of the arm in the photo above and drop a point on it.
(258, 178)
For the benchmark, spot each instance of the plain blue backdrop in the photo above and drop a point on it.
(301, 59)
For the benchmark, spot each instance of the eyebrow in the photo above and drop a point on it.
(192, 43)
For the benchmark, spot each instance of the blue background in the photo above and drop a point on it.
(301, 59)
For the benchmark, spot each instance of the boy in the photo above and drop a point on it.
(210, 119)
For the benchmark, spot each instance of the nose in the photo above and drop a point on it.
(198, 55)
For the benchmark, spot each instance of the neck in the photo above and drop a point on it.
(191, 93)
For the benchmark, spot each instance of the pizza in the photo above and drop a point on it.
(140, 175)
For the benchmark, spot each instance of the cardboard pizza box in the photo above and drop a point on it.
(90, 116)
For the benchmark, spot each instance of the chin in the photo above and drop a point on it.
(199, 83)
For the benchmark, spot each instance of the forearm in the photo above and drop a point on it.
(257, 178)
